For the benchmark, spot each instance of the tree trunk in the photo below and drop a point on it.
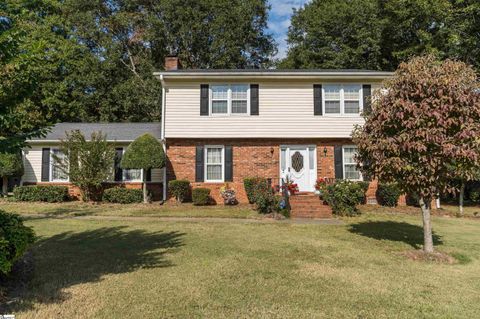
(145, 195)
(5, 186)
(460, 198)
(427, 226)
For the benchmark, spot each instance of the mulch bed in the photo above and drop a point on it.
(437, 256)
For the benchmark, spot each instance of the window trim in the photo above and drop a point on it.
(205, 164)
(229, 99)
(51, 164)
(344, 164)
(342, 100)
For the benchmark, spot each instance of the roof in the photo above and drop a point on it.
(126, 132)
(274, 73)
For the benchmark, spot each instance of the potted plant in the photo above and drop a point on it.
(290, 187)
(319, 185)
(228, 195)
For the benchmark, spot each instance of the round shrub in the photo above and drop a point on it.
(475, 195)
(412, 199)
(388, 194)
(265, 199)
(201, 196)
(344, 196)
(122, 195)
(179, 189)
(250, 184)
(15, 238)
(41, 193)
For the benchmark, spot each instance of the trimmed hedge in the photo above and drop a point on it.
(41, 193)
(344, 196)
(180, 189)
(122, 195)
(388, 194)
(15, 238)
(201, 196)
(251, 185)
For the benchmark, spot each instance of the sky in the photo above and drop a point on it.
(279, 21)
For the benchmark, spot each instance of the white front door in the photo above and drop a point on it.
(298, 163)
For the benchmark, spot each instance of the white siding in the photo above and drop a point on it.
(286, 110)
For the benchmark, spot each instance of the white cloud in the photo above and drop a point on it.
(284, 7)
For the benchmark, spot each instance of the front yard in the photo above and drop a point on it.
(93, 268)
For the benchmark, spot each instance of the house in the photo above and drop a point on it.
(221, 126)
(41, 169)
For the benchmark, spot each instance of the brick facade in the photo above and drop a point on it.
(251, 157)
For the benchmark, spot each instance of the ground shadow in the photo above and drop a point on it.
(72, 258)
(393, 231)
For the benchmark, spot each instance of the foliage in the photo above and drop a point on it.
(426, 121)
(15, 238)
(11, 164)
(41, 193)
(475, 195)
(180, 189)
(388, 194)
(344, 196)
(250, 184)
(379, 35)
(201, 196)
(290, 186)
(412, 199)
(265, 200)
(122, 195)
(88, 164)
(228, 194)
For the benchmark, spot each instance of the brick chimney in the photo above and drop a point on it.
(172, 62)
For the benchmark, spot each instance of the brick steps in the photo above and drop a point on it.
(309, 206)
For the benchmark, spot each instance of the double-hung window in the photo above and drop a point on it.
(229, 99)
(214, 163)
(132, 175)
(350, 170)
(56, 173)
(342, 99)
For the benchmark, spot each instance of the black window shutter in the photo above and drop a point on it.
(149, 175)
(367, 98)
(204, 94)
(228, 163)
(118, 159)
(338, 157)
(254, 107)
(45, 165)
(317, 99)
(199, 167)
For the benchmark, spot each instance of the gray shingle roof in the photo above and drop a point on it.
(114, 131)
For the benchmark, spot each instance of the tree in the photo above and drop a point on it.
(145, 153)
(11, 164)
(425, 122)
(88, 163)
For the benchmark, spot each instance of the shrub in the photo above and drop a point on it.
(364, 185)
(344, 196)
(14, 240)
(250, 184)
(201, 196)
(388, 194)
(41, 193)
(122, 195)
(475, 194)
(265, 199)
(412, 199)
(180, 189)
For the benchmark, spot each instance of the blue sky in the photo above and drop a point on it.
(279, 21)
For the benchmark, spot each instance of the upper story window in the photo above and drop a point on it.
(350, 170)
(229, 99)
(342, 99)
(56, 173)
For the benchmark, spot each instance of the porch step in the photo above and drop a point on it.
(309, 206)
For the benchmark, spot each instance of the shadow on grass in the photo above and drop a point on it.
(69, 258)
(393, 231)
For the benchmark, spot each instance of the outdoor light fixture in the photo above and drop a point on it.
(325, 151)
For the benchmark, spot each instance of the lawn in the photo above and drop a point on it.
(153, 269)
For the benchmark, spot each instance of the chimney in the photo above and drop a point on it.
(172, 62)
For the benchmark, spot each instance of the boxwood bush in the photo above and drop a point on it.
(344, 196)
(41, 193)
(388, 194)
(251, 185)
(180, 189)
(15, 238)
(201, 196)
(122, 195)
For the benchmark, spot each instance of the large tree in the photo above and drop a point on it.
(425, 122)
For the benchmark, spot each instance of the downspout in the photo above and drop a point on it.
(164, 141)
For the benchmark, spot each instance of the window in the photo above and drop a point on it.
(342, 99)
(130, 175)
(214, 163)
(229, 99)
(350, 170)
(56, 174)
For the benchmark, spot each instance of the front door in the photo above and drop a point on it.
(297, 163)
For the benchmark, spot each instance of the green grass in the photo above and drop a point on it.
(125, 269)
